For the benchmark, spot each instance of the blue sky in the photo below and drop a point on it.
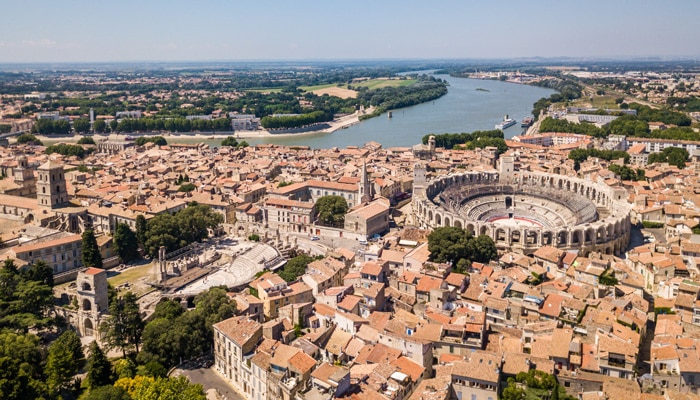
(174, 30)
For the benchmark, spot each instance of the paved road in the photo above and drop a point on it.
(208, 378)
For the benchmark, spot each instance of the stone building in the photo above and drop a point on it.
(51, 186)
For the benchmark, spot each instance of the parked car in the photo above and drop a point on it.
(315, 238)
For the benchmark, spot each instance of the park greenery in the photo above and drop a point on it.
(470, 141)
(28, 138)
(534, 385)
(293, 121)
(174, 334)
(629, 125)
(331, 210)
(68, 150)
(295, 267)
(231, 141)
(460, 248)
(50, 127)
(626, 173)
(672, 155)
(189, 225)
(157, 140)
(581, 155)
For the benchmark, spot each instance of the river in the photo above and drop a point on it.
(462, 109)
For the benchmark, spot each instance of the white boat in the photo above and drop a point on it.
(507, 122)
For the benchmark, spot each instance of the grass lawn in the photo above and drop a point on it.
(264, 90)
(318, 87)
(131, 275)
(384, 82)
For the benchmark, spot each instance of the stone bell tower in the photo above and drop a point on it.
(51, 186)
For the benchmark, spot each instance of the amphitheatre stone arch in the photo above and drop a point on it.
(529, 210)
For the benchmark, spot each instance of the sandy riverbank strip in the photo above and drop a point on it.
(340, 123)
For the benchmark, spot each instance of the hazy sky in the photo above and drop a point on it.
(175, 30)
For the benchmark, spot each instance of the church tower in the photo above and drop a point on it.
(419, 179)
(507, 170)
(365, 193)
(24, 177)
(51, 186)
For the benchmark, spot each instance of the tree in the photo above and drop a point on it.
(91, 252)
(64, 360)
(125, 243)
(187, 187)
(29, 139)
(481, 249)
(672, 155)
(20, 366)
(107, 392)
(295, 267)
(99, 370)
(512, 392)
(86, 140)
(215, 306)
(141, 228)
(25, 298)
(81, 125)
(123, 327)
(40, 271)
(167, 309)
(447, 244)
(99, 125)
(331, 210)
(229, 141)
(147, 388)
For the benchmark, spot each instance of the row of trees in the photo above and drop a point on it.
(580, 155)
(69, 150)
(295, 121)
(450, 140)
(50, 127)
(157, 140)
(172, 125)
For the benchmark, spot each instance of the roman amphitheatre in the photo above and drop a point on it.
(523, 210)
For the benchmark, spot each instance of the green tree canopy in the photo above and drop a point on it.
(672, 155)
(99, 369)
(331, 210)
(26, 297)
(20, 366)
(28, 138)
(229, 141)
(451, 244)
(86, 140)
(81, 125)
(295, 267)
(125, 243)
(64, 360)
(91, 252)
(100, 126)
(123, 327)
(148, 388)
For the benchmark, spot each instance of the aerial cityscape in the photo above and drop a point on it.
(392, 202)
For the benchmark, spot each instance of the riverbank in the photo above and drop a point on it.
(337, 124)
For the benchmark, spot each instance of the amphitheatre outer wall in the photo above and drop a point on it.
(607, 231)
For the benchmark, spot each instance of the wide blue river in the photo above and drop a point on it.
(462, 109)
